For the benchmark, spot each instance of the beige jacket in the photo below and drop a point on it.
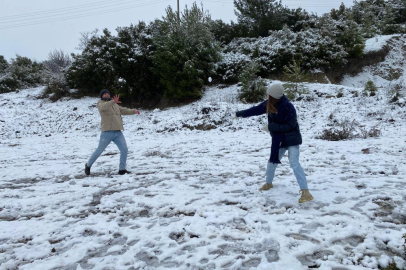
(110, 114)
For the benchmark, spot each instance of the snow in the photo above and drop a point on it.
(377, 43)
(192, 201)
(385, 74)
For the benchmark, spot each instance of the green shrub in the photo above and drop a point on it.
(370, 89)
(8, 84)
(185, 53)
(56, 90)
(296, 76)
(253, 88)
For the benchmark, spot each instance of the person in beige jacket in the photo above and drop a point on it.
(111, 127)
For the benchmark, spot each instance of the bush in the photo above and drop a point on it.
(121, 63)
(314, 48)
(370, 89)
(253, 88)
(344, 130)
(396, 92)
(55, 68)
(230, 67)
(56, 90)
(8, 84)
(348, 130)
(21, 73)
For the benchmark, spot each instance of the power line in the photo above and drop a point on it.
(232, 2)
(62, 13)
(60, 9)
(80, 16)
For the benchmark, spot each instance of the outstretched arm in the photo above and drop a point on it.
(126, 111)
(254, 111)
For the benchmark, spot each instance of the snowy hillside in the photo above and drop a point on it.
(192, 201)
(387, 73)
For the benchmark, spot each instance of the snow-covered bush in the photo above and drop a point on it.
(55, 68)
(121, 63)
(311, 47)
(21, 73)
(231, 65)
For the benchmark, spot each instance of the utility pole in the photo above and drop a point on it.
(178, 11)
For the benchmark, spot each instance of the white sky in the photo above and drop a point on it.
(21, 33)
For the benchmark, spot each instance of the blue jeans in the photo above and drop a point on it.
(293, 155)
(106, 138)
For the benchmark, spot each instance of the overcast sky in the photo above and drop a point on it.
(33, 28)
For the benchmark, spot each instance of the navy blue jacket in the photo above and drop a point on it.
(284, 122)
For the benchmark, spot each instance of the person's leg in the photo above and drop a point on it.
(271, 167)
(293, 155)
(119, 140)
(105, 139)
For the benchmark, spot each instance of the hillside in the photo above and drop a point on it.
(192, 201)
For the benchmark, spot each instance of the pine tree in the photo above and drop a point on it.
(296, 76)
(388, 24)
(253, 87)
(186, 53)
(3, 64)
(260, 16)
(351, 38)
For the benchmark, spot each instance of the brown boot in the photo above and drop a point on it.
(306, 196)
(266, 186)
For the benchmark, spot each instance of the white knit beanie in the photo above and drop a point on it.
(276, 90)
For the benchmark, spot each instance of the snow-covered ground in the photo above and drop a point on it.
(192, 201)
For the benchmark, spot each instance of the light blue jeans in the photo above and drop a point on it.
(106, 138)
(293, 155)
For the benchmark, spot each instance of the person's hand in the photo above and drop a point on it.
(234, 116)
(115, 99)
(265, 128)
(137, 112)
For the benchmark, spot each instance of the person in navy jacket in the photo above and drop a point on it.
(285, 132)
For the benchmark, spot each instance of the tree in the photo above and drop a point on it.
(185, 53)
(295, 75)
(121, 63)
(351, 39)
(260, 16)
(58, 61)
(225, 33)
(253, 88)
(3, 64)
(339, 14)
(299, 19)
(85, 38)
